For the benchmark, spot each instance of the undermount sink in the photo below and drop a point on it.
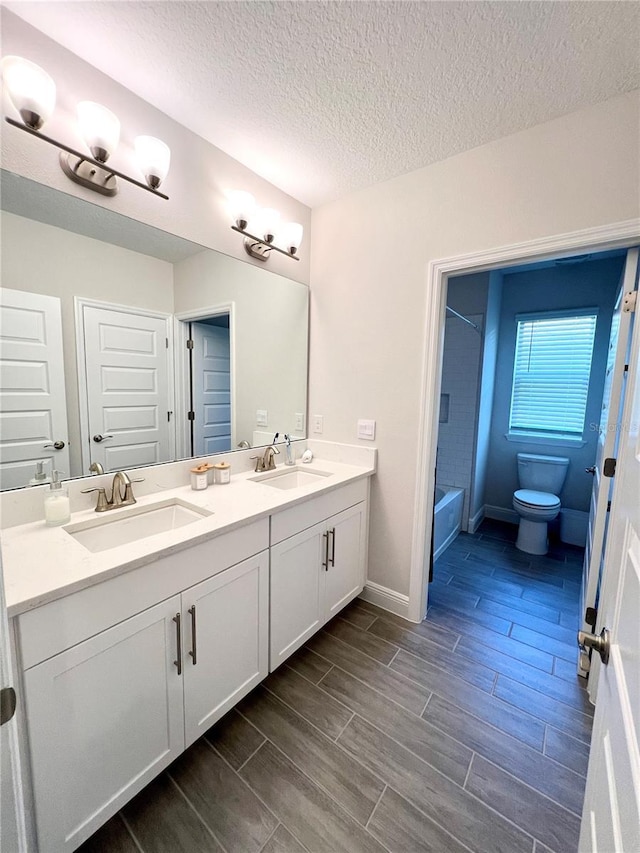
(120, 527)
(290, 478)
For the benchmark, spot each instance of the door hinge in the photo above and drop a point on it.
(591, 616)
(629, 302)
(609, 469)
(191, 416)
(608, 506)
(626, 368)
(169, 416)
(166, 343)
(7, 704)
(190, 343)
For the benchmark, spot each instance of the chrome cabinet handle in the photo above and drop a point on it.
(192, 653)
(98, 438)
(325, 562)
(57, 445)
(178, 662)
(332, 559)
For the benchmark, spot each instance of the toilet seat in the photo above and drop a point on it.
(532, 499)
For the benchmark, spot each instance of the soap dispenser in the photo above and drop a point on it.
(57, 508)
(40, 476)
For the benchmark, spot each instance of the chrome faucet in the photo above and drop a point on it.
(267, 461)
(121, 481)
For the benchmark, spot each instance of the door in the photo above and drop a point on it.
(297, 590)
(621, 328)
(211, 389)
(126, 371)
(33, 419)
(105, 717)
(344, 578)
(226, 634)
(611, 815)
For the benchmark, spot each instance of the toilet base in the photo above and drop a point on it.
(532, 537)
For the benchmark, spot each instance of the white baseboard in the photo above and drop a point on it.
(387, 599)
(500, 513)
(476, 520)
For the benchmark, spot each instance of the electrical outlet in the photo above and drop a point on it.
(317, 424)
(261, 417)
(366, 429)
(299, 422)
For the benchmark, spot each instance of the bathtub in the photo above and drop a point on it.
(447, 517)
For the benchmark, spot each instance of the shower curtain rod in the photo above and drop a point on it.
(460, 316)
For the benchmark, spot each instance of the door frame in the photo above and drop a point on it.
(80, 302)
(618, 235)
(181, 322)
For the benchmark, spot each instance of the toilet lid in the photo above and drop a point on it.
(530, 497)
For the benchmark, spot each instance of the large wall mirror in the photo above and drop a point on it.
(122, 345)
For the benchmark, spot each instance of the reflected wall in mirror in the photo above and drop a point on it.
(97, 312)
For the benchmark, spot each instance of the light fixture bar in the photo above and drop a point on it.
(262, 242)
(83, 157)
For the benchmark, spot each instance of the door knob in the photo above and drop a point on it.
(98, 438)
(600, 643)
(57, 445)
(591, 470)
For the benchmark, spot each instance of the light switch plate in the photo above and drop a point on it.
(299, 422)
(366, 429)
(261, 417)
(317, 421)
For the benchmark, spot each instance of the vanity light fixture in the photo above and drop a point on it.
(33, 93)
(250, 221)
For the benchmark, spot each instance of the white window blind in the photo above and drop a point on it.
(551, 373)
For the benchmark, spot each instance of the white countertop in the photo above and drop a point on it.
(44, 563)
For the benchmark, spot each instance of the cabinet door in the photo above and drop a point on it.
(344, 578)
(297, 585)
(104, 718)
(229, 633)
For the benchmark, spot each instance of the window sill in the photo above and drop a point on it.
(549, 440)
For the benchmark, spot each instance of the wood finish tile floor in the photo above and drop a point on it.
(468, 732)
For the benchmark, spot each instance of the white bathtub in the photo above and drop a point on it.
(447, 517)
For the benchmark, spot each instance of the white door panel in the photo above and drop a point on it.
(126, 366)
(32, 389)
(211, 389)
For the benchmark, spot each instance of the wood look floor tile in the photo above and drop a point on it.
(466, 580)
(500, 606)
(357, 615)
(314, 705)
(500, 653)
(478, 674)
(163, 822)
(444, 753)
(536, 814)
(567, 670)
(309, 665)
(473, 625)
(560, 646)
(525, 626)
(567, 750)
(571, 693)
(430, 631)
(282, 842)
(229, 808)
(404, 829)
(364, 641)
(113, 837)
(530, 577)
(310, 814)
(234, 738)
(558, 714)
(444, 802)
(407, 693)
(529, 765)
(326, 764)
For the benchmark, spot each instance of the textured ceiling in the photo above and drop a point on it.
(322, 98)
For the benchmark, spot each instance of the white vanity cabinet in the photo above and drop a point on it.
(106, 714)
(318, 565)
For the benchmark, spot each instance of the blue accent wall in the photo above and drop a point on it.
(588, 284)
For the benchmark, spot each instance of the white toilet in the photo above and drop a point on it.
(541, 479)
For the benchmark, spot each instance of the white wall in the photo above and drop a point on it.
(370, 256)
(199, 176)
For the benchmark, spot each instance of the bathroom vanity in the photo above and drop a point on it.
(129, 653)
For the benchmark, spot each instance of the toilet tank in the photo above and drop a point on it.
(542, 473)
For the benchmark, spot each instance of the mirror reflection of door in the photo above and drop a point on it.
(210, 385)
(33, 411)
(126, 372)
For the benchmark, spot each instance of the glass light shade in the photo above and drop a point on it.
(31, 91)
(99, 128)
(153, 159)
(242, 207)
(291, 237)
(269, 222)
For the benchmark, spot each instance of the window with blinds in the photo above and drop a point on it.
(551, 373)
